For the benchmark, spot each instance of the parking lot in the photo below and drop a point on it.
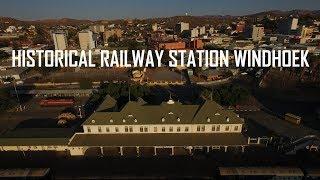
(44, 115)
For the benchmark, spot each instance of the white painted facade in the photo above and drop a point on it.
(163, 128)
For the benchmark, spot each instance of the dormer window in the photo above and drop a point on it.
(163, 119)
(228, 119)
(170, 113)
(217, 114)
(130, 115)
(93, 121)
(123, 120)
(111, 120)
(135, 120)
(208, 119)
(178, 119)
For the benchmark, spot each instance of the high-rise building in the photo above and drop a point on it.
(194, 32)
(197, 31)
(305, 34)
(182, 26)
(293, 23)
(97, 28)
(240, 27)
(154, 27)
(202, 30)
(60, 40)
(212, 31)
(288, 25)
(256, 32)
(86, 40)
(196, 44)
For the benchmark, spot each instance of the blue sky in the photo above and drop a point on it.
(115, 9)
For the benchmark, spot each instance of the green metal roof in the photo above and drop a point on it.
(33, 141)
(165, 139)
(36, 137)
(137, 112)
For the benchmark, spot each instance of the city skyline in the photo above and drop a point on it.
(97, 9)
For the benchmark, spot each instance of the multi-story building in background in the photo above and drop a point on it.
(86, 40)
(154, 27)
(172, 45)
(288, 25)
(182, 26)
(256, 33)
(240, 27)
(305, 34)
(293, 23)
(60, 40)
(194, 33)
(196, 44)
(97, 28)
(197, 31)
(202, 30)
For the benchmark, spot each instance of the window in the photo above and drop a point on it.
(163, 129)
(130, 129)
(145, 129)
(218, 127)
(236, 128)
(227, 128)
(171, 129)
(107, 129)
(178, 129)
(155, 129)
(99, 129)
(141, 129)
(117, 129)
(126, 129)
(88, 129)
(213, 128)
(203, 128)
(198, 128)
(186, 129)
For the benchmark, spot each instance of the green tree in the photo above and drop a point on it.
(3, 55)
(185, 34)
(113, 39)
(227, 94)
(85, 84)
(6, 102)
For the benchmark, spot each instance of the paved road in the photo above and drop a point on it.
(33, 110)
(198, 166)
(278, 126)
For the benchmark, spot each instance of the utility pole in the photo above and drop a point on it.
(129, 94)
(80, 110)
(15, 89)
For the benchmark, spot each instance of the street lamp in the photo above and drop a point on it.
(15, 89)
(80, 110)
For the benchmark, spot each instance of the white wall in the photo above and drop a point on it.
(193, 128)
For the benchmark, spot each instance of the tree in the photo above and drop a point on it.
(212, 47)
(41, 36)
(85, 84)
(185, 34)
(5, 101)
(119, 91)
(113, 39)
(3, 55)
(227, 94)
